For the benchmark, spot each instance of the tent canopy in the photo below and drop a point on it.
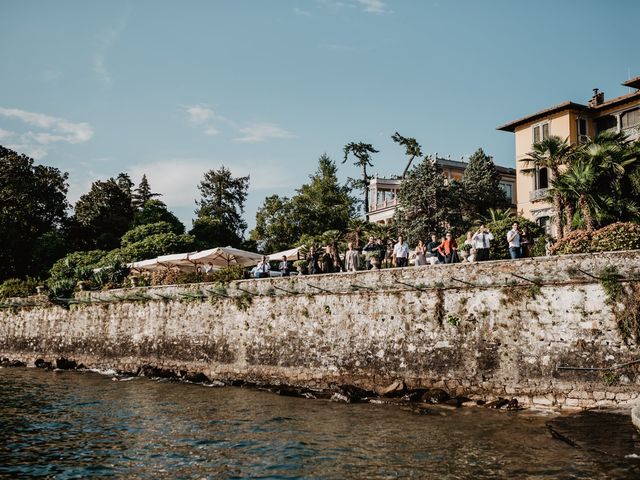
(225, 256)
(291, 254)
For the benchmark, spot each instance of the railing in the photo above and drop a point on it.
(379, 206)
(539, 194)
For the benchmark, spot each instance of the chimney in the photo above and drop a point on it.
(597, 99)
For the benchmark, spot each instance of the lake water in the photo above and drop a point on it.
(81, 424)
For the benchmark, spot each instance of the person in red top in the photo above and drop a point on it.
(448, 248)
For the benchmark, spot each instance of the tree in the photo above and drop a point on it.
(212, 232)
(426, 203)
(481, 185)
(104, 213)
(576, 186)
(362, 152)
(154, 211)
(142, 194)
(275, 228)
(32, 203)
(413, 149)
(124, 182)
(322, 204)
(222, 205)
(551, 153)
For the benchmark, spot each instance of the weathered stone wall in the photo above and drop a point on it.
(484, 330)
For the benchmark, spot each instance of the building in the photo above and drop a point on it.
(576, 122)
(383, 192)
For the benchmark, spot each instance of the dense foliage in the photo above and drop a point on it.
(32, 205)
(481, 187)
(617, 236)
(154, 211)
(220, 208)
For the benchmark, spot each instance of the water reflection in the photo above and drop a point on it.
(69, 424)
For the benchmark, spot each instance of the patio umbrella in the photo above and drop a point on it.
(225, 256)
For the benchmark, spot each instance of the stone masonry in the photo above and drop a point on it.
(503, 328)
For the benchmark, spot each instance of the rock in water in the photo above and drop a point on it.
(499, 403)
(353, 393)
(396, 389)
(340, 398)
(435, 395)
(40, 363)
(64, 364)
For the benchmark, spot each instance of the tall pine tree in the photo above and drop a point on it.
(481, 187)
(142, 194)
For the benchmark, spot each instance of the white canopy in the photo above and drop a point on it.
(151, 264)
(291, 254)
(225, 256)
(176, 259)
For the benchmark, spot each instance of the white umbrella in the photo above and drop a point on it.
(291, 254)
(225, 256)
(151, 264)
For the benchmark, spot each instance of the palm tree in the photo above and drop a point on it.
(577, 185)
(362, 152)
(551, 153)
(413, 149)
(356, 229)
(496, 215)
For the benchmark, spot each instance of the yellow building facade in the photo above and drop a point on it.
(577, 123)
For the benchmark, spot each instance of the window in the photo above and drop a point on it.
(542, 178)
(545, 224)
(540, 132)
(631, 118)
(508, 191)
(583, 132)
(608, 122)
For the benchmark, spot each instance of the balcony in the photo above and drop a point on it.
(538, 195)
(382, 205)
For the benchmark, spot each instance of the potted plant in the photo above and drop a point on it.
(374, 258)
(301, 265)
(464, 251)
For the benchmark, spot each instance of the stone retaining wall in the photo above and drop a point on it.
(485, 330)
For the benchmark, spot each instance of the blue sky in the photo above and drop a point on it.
(173, 89)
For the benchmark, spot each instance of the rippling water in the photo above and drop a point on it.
(78, 425)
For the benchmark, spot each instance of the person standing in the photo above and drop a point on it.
(448, 248)
(382, 250)
(368, 249)
(351, 258)
(312, 262)
(482, 242)
(327, 260)
(263, 267)
(284, 267)
(421, 251)
(524, 243)
(513, 237)
(401, 252)
(432, 249)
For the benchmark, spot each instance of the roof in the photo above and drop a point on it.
(633, 83)
(568, 105)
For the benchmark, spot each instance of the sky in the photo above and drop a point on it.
(172, 89)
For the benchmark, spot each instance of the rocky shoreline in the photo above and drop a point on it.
(397, 393)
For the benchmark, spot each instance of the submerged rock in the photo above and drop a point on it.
(396, 389)
(64, 364)
(435, 395)
(351, 394)
(194, 377)
(40, 363)
(414, 395)
(155, 372)
(5, 362)
(499, 403)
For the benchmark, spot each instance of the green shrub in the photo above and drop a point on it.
(156, 245)
(499, 246)
(62, 288)
(16, 287)
(617, 236)
(227, 274)
(539, 247)
(143, 231)
(75, 267)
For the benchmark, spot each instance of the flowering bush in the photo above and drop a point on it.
(617, 236)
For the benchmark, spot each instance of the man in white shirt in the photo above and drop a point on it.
(482, 242)
(401, 252)
(513, 237)
(263, 267)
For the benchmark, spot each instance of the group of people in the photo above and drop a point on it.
(444, 250)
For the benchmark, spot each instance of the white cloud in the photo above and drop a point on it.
(259, 132)
(211, 123)
(59, 129)
(374, 6)
(54, 129)
(301, 12)
(105, 41)
(32, 151)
